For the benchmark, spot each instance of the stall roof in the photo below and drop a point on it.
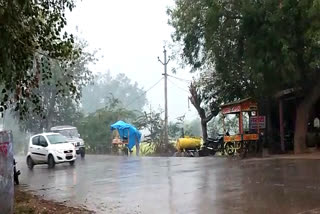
(236, 102)
(243, 105)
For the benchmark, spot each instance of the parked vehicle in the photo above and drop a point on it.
(246, 141)
(16, 173)
(126, 137)
(212, 145)
(73, 136)
(188, 146)
(51, 149)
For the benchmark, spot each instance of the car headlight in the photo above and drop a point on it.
(59, 151)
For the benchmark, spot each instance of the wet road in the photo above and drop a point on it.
(109, 184)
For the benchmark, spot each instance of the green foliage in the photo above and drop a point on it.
(105, 101)
(121, 87)
(146, 149)
(31, 34)
(57, 97)
(95, 128)
(175, 130)
(192, 128)
(184, 128)
(153, 124)
(250, 48)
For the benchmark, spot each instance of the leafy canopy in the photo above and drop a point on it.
(31, 32)
(250, 48)
(59, 100)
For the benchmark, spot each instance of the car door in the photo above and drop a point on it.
(34, 148)
(43, 151)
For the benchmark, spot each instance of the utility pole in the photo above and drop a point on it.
(165, 63)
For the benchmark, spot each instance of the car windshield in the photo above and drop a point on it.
(57, 138)
(70, 133)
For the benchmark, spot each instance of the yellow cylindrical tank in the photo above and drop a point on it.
(188, 143)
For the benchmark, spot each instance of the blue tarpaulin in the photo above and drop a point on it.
(124, 129)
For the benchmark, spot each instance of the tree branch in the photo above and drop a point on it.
(207, 119)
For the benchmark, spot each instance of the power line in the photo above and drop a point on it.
(181, 79)
(136, 98)
(179, 86)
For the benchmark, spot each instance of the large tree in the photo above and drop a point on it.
(30, 31)
(58, 100)
(95, 95)
(95, 127)
(254, 48)
(206, 112)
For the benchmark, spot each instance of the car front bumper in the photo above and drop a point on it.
(79, 149)
(61, 158)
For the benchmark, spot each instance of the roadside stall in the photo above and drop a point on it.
(247, 137)
(125, 137)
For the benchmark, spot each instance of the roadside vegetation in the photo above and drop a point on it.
(27, 203)
(250, 49)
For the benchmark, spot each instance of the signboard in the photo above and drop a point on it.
(249, 106)
(255, 120)
(231, 109)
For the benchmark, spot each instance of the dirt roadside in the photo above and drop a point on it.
(27, 203)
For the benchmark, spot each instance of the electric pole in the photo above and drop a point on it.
(165, 63)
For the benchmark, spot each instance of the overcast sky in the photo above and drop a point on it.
(131, 35)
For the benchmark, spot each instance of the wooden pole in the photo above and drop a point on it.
(165, 63)
(281, 125)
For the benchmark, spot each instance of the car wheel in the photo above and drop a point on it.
(51, 162)
(71, 163)
(82, 152)
(30, 162)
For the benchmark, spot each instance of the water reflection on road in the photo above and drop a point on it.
(180, 185)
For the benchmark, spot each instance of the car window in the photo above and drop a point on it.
(70, 133)
(57, 138)
(42, 141)
(35, 140)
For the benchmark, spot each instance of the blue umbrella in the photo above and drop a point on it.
(127, 131)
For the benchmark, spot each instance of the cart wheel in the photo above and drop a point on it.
(237, 147)
(125, 151)
(229, 148)
(115, 149)
(240, 149)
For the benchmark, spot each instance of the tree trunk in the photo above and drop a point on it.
(196, 101)
(301, 128)
(269, 128)
(302, 117)
(204, 129)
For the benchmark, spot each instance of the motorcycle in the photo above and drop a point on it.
(212, 145)
(16, 173)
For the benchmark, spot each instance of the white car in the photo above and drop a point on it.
(50, 148)
(73, 136)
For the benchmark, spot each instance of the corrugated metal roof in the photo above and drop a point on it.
(236, 102)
